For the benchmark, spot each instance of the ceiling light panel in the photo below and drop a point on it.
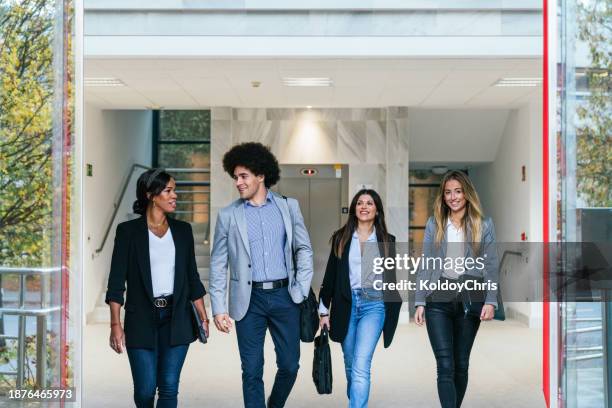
(103, 82)
(312, 81)
(513, 82)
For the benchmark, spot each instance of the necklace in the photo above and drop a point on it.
(156, 225)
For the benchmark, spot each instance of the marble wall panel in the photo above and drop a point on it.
(397, 185)
(397, 141)
(397, 112)
(221, 113)
(397, 222)
(308, 142)
(368, 114)
(250, 114)
(376, 141)
(265, 132)
(220, 139)
(352, 142)
(371, 175)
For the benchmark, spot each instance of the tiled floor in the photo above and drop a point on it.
(505, 372)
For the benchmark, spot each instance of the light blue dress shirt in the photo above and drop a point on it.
(267, 238)
(354, 260)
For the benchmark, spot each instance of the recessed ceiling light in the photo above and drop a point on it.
(507, 82)
(439, 170)
(103, 82)
(309, 107)
(319, 81)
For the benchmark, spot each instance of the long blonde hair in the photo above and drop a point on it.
(473, 217)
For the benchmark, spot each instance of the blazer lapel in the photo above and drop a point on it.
(242, 227)
(443, 244)
(283, 206)
(179, 257)
(345, 271)
(142, 243)
(467, 247)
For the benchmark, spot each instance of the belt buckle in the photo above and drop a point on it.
(268, 285)
(160, 302)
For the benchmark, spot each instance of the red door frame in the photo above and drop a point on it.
(545, 212)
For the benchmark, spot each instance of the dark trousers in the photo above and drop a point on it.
(157, 369)
(451, 333)
(269, 309)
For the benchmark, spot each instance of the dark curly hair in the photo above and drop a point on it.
(255, 157)
(152, 182)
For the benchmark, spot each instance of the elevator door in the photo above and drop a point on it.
(320, 198)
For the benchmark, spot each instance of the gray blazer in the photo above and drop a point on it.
(431, 249)
(231, 246)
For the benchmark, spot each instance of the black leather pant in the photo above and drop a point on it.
(451, 333)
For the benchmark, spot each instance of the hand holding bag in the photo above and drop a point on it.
(198, 325)
(500, 313)
(321, 364)
(309, 316)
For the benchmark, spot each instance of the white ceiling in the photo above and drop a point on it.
(198, 83)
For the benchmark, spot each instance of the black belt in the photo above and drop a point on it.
(281, 283)
(162, 301)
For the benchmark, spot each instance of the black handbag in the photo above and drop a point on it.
(321, 364)
(309, 316)
(500, 313)
(197, 322)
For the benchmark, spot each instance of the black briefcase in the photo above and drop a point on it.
(321, 364)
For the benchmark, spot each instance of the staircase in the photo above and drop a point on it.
(202, 250)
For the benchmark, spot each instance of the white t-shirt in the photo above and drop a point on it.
(162, 256)
(454, 247)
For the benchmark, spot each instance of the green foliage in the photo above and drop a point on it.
(180, 126)
(8, 358)
(26, 127)
(594, 130)
(184, 125)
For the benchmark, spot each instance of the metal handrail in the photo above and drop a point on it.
(28, 271)
(505, 255)
(116, 204)
(41, 322)
(127, 182)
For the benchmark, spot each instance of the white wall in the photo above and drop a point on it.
(515, 205)
(113, 140)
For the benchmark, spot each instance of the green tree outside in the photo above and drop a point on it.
(594, 126)
(26, 108)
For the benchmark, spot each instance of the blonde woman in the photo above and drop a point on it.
(458, 229)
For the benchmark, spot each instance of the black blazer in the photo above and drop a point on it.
(336, 289)
(131, 264)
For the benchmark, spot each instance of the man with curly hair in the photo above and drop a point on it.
(260, 236)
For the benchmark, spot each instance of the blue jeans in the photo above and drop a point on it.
(364, 330)
(275, 310)
(157, 369)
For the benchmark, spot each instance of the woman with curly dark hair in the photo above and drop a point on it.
(154, 255)
(259, 236)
